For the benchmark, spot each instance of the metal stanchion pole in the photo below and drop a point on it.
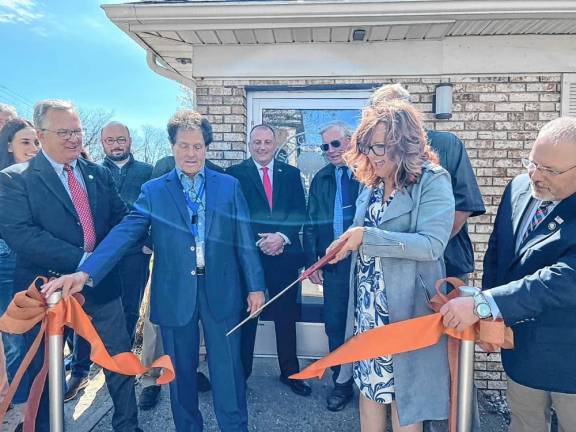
(56, 374)
(466, 378)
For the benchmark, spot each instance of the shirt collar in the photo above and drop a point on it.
(270, 165)
(185, 177)
(59, 167)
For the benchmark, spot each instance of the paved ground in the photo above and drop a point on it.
(272, 408)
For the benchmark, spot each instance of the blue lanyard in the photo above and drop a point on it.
(194, 207)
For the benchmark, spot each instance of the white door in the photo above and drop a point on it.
(297, 117)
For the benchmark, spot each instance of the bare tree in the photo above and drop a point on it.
(150, 143)
(186, 97)
(93, 120)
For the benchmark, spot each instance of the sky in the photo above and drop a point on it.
(69, 49)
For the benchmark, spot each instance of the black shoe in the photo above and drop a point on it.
(339, 397)
(74, 385)
(20, 427)
(297, 386)
(203, 383)
(149, 397)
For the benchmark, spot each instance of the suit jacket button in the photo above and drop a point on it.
(193, 272)
(192, 248)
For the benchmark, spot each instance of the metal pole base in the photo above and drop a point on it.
(56, 374)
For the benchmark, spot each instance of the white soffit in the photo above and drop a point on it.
(172, 31)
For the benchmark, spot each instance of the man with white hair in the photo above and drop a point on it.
(61, 207)
(331, 208)
(7, 113)
(530, 282)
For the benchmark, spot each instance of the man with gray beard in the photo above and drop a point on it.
(530, 282)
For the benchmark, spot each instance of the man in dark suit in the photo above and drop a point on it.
(60, 208)
(198, 220)
(331, 209)
(129, 175)
(530, 282)
(277, 206)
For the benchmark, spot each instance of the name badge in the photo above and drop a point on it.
(200, 263)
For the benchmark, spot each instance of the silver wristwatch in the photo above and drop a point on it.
(481, 307)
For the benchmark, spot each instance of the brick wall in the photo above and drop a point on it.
(497, 117)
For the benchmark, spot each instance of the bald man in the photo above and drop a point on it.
(530, 282)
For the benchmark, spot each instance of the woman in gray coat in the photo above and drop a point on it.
(403, 221)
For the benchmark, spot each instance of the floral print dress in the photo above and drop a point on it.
(374, 377)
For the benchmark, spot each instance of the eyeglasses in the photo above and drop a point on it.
(119, 140)
(67, 133)
(334, 144)
(377, 149)
(533, 166)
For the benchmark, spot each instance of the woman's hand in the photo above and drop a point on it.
(352, 238)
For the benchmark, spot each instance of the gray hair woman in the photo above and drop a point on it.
(403, 221)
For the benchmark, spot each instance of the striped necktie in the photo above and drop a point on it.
(541, 213)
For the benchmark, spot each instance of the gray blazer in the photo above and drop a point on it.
(410, 243)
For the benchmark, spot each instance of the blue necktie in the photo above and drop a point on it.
(347, 201)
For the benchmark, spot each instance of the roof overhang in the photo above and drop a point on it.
(182, 38)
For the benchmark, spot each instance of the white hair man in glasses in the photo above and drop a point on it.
(530, 282)
(331, 208)
(61, 207)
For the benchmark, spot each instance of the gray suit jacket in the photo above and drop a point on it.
(410, 243)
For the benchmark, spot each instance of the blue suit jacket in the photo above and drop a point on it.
(230, 252)
(535, 289)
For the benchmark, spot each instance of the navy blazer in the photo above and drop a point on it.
(39, 222)
(536, 290)
(229, 248)
(288, 208)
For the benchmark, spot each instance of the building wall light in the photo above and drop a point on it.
(443, 101)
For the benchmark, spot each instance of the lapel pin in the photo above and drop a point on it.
(559, 220)
(552, 226)
(90, 176)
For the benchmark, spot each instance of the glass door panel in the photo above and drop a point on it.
(297, 118)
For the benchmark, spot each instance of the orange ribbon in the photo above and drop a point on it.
(29, 308)
(414, 334)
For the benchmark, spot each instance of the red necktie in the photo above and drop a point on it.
(267, 185)
(82, 206)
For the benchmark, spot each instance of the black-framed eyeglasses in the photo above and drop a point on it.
(67, 133)
(119, 140)
(377, 149)
(533, 166)
(333, 143)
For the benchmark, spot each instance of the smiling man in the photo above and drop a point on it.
(530, 282)
(277, 206)
(129, 175)
(203, 246)
(57, 208)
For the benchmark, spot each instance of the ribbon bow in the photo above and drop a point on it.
(29, 308)
(414, 334)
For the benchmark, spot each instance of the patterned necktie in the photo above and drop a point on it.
(541, 213)
(267, 186)
(82, 206)
(346, 195)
